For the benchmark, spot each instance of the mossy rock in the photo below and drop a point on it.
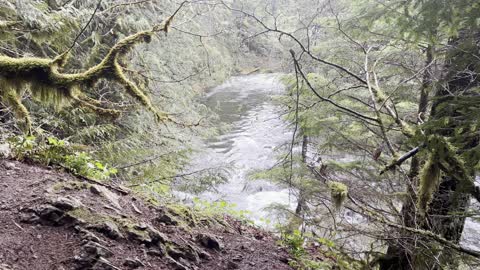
(135, 231)
(68, 185)
(87, 216)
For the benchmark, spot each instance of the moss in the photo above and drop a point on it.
(88, 216)
(338, 192)
(131, 228)
(429, 180)
(443, 157)
(186, 214)
(43, 6)
(75, 185)
(187, 217)
(12, 66)
(10, 95)
(139, 231)
(49, 85)
(5, 25)
(135, 92)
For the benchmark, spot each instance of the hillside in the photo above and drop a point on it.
(53, 220)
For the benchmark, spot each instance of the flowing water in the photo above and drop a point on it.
(244, 103)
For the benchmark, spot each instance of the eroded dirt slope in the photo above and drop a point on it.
(52, 220)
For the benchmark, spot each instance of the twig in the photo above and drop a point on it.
(144, 161)
(348, 110)
(84, 27)
(126, 4)
(173, 177)
(18, 225)
(421, 232)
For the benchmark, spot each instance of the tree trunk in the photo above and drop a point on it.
(398, 255)
(450, 201)
(301, 195)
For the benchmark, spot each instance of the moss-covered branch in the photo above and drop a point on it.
(45, 78)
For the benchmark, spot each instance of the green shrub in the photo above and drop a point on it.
(221, 207)
(53, 151)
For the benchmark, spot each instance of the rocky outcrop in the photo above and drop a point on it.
(50, 219)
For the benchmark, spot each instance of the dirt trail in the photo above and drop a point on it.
(52, 220)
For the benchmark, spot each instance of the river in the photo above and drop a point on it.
(255, 129)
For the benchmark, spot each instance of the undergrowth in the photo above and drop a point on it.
(221, 208)
(55, 152)
(311, 253)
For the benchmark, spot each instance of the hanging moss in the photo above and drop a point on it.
(10, 93)
(443, 157)
(43, 78)
(338, 192)
(134, 91)
(429, 181)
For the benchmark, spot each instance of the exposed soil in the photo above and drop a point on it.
(53, 220)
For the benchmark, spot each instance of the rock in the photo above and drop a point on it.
(204, 255)
(232, 265)
(177, 265)
(84, 261)
(104, 264)
(112, 198)
(109, 229)
(88, 235)
(167, 219)
(259, 236)
(133, 263)
(93, 257)
(29, 217)
(155, 252)
(237, 258)
(141, 226)
(135, 208)
(138, 235)
(185, 263)
(285, 260)
(97, 250)
(9, 166)
(50, 213)
(174, 252)
(67, 203)
(209, 241)
(183, 252)
(156, 236)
